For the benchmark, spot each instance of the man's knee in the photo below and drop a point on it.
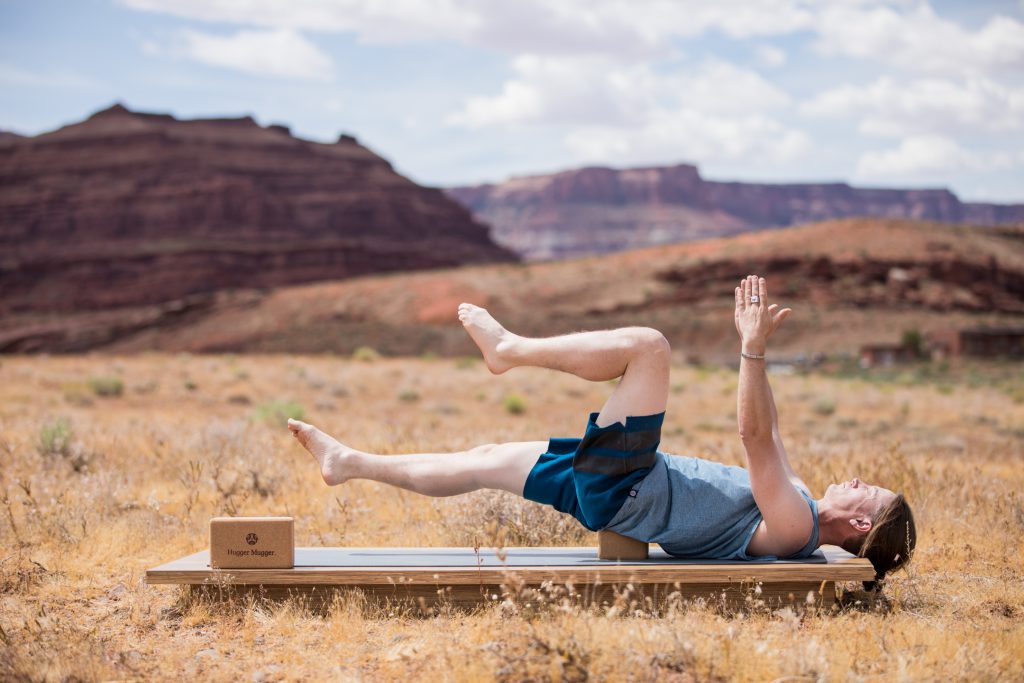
(649, 341)
(483, 449)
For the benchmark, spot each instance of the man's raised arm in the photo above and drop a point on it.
(786, 515)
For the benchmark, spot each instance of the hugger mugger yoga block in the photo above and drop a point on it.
(252, 542)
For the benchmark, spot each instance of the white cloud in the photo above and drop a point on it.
(925, 155)
(690, 135)
(906, 33)
(632, 113)
(584, 91)
(918, 40)
(769, 56)
(281, 52)
(622, 27)
(896, 108)
(560, 90)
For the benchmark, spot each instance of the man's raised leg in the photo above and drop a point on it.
(640, 355)
(492, 466)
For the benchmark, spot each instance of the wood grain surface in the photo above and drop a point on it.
(462, 567)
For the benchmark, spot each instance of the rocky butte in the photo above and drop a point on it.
(128, 209)
(600, 210)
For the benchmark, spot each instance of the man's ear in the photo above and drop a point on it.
(861, 524)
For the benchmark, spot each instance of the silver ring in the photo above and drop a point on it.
(754, 298)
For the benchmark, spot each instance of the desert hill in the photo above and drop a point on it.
(849, 281)
(128, 209)
(601, 210)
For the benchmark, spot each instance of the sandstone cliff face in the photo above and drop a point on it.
(128, 209)
(599, 210)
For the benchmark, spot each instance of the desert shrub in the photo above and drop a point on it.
(514, 404)
(278, 412)
(824, 407)
(365, 354)
(78, 395)
(409, 395)
(107, 387)
(55, 437)
(913, 340)
(190, 385)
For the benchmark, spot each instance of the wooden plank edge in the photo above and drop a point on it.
(449, 575)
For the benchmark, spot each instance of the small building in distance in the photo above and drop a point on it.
(977, 342)
(991, 342)
(886, 355)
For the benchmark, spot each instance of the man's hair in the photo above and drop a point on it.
(890, 543)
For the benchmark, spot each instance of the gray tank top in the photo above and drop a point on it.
(693, 507)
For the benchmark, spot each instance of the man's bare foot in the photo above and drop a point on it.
(495, 341)
(332, 456)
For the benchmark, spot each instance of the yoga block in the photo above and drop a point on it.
(613, 546)
(252, 542)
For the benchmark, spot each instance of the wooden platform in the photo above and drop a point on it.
(463, 576)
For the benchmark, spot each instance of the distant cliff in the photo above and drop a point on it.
(129, 209)
(600, 210)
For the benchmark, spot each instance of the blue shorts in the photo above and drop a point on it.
(590, 478)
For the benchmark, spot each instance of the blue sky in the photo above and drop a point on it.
(897, 93)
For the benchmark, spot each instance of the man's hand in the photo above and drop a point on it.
(755, 319)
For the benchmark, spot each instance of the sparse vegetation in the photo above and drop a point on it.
(824, 407)
(914, 341)
(515, 404)
(277, 412)
(55, 437)
(365, 354)
(107, 387)
(73, 605)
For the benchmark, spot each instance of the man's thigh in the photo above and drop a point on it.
(506, 466)
(643, 390)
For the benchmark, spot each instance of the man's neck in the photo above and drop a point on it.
(830, 527)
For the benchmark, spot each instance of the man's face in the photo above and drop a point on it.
(857, 498)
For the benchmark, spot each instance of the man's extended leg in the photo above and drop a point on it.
(640, 355)
(492, 466)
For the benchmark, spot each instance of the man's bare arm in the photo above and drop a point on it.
(777, 435)
(786, 514)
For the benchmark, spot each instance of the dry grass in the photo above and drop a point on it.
(142, 473)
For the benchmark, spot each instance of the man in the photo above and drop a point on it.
(615, 477)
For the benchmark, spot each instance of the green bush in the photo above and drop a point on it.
(515, 404)
(106, 386)
(365, 354)
(914, 341)
(824, 407)
(55, 437)
(278, 412)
